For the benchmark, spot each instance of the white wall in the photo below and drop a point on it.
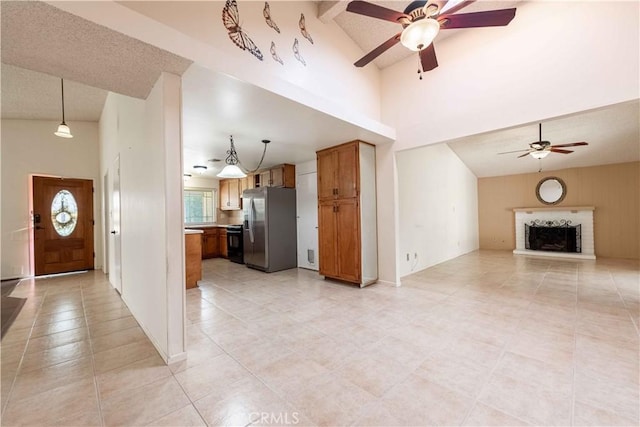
(438, 204)
(194, 30)
(146, 136)
(30, 147)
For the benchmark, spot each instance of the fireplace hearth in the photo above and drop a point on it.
(553, 235)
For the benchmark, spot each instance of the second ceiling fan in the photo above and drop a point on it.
(421, 21)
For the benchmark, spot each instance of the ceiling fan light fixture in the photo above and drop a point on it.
(540, 154)
(420, 34)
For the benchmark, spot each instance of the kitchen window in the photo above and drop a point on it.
(199, 205)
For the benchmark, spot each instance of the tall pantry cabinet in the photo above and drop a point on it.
(347, 225)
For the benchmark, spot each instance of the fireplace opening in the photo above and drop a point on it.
(555, 236)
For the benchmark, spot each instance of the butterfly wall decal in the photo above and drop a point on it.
(303, 28)
(296, 52)
(274, 54)
(231, 21)
(267, 17)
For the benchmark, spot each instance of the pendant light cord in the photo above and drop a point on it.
(62, 86)
(259, 164)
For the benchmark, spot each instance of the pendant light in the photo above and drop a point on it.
(232, 170)
(63, 130)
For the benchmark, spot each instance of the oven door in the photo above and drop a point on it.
(234, 244)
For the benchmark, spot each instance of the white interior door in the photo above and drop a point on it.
(115, 270)
(307, 211)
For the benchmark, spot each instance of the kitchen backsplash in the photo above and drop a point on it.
(229, 217)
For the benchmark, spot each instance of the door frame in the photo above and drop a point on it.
(30, 225)
(106, 222)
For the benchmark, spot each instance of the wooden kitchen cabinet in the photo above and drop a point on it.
(278, 176)
(230, 194)
(222, 242)
(210, 242)
(347, 225)
(193, 260)
(247, 183)
(338, 170)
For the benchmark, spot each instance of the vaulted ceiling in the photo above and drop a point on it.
(41, 44)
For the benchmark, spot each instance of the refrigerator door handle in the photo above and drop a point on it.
(251, 212)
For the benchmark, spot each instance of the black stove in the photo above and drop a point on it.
(235, 251)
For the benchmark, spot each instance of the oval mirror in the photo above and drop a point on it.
(551, 190)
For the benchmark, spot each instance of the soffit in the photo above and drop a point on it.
(41, 37)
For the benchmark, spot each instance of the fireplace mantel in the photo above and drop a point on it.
(582, 215)
(556, 208)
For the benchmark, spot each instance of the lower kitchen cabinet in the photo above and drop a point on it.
(193, 261)
(222, 242)
(210, 243)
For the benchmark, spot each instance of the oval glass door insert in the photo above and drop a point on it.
(64, 213)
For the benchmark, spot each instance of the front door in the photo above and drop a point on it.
(63, 225)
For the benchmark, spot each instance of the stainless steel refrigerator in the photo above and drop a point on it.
(269, 229)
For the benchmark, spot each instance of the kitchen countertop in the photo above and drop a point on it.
(208, 226)
(188, 231)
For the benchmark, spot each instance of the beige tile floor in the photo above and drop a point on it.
(484, 339)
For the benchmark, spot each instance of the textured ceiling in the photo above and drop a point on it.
(613, 135)
(40, 37)
(32, 95)
(369, 33)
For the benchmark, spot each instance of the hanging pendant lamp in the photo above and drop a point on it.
(232, 170)
(63, 130)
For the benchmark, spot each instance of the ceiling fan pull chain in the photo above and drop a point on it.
(419, 66)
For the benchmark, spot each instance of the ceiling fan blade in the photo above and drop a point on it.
(557, 150)
(428, 58)
(377, 51)
(524, 155)
(375, 11)
(490, 18)
(516, 151)
(457, 7)
(573, 144)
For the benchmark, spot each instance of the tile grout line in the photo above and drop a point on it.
(93, 362)
(24, 351)
(497, 363)
(574, 366)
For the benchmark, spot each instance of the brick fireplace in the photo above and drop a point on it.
(567, 232)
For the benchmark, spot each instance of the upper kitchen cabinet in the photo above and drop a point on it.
(277, 176)
(338, 172)
(230, 194)
(247, 183)
(347, 222)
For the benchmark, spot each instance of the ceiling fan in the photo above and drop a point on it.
(421, 21)
(541, 149)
